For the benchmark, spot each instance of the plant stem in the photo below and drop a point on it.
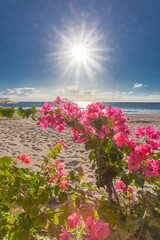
(116, 195)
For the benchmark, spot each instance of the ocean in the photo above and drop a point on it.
(127, 107)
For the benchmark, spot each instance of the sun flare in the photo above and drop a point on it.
(79, 52)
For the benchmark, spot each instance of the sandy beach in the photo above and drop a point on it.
(22, 136)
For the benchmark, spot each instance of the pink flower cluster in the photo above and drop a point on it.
(152, 168)
(84, 118)
(120, 128)
(62, 142)
(149, 132)
(96, 229)
(139, 156)
(122, 186)
(24, 158)
(59, 177)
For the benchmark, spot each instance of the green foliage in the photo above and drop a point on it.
(33, 207)
(7, 112)
(26, 112)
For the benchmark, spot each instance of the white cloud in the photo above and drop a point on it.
(137, 85)
(75, 90)
(21, 92)
(131, 92)
(107, 93)
(80, 91)
(60, 90)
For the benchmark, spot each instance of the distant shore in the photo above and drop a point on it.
(22, 136)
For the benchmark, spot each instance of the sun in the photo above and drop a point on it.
(80, 53)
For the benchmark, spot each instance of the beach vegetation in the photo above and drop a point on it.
(124, 202)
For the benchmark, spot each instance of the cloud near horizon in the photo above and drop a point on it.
(137, 85)
(21, 92)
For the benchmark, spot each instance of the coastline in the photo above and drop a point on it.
(22, 136)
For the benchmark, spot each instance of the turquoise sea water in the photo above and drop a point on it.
(127, 107)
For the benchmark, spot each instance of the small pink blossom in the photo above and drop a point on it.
(72, 220)
(48, 167)
(152, 168)
(119, 139)
(54, 144)
(63, 144)
(130, 190)
(60, 128)
(63, 184)
(140, 132)
(59, 166)
(131, 143)
(65, 234)
(121, 185)
(47, 107)
(97, 230)
(58, 100)
(24, 158)
(104, 131)
(130, 197)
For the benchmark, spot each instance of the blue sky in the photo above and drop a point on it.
(123, 50)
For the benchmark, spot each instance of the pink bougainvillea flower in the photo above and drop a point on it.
(72, 220)
(119, 139)
(130, 197)
(150, 131)
(120, 185)
(54, 144)
(152, 145)
(131, 143)
(47, 107)
(140, 132)
(104, 131)
(24, 158)
(59, 165)
(63, 144)
(60, 128)
(152, 168)
(58, 100)
(63, 184)
(48, 167)
(130, 190)
(65, 234)
(97, 230)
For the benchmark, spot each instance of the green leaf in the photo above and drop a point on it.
(33, 110)
(86, 185)
(56, 218)
(7, 112)
(33, 212)
(43, 198)
(40, 222)
(51, 229)
(63, 197)
(20, 112)
(17, 183)
(123, 234)
(58, 111)
(26, 112)
(139, 181)
(19, 235)
(57, 190)
(5, 161)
